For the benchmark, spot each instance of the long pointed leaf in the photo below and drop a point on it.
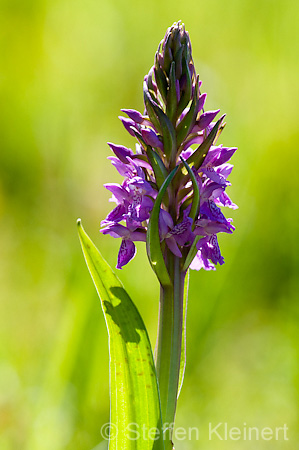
(134, 393)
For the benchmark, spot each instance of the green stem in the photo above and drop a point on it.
(170, 340)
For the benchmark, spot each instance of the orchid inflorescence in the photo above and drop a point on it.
(173, 123)
(171, 198)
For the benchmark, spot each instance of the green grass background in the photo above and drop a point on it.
(67, 67)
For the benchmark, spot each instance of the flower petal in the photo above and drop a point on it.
(121, 152)
(225, 155)
(199, 262)
(151, 138)
(116, 215)
(118, 191)
(173, 247)
(134, 115)
(224, 200)
(206, 118)
(126, 252)
(128, 124)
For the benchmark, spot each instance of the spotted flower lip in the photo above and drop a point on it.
(174, 125)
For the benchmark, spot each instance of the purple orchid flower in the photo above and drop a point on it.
(127, 248)
(208, 254)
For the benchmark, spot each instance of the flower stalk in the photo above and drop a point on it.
(168, 354)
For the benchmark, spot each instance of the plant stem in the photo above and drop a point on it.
(169, 342)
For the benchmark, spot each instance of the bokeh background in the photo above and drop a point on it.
(67, 67)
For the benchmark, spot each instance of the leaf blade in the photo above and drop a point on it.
(134, 393)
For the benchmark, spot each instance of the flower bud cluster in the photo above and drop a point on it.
(174, 133)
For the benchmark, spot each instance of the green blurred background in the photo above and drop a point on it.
(67, 67)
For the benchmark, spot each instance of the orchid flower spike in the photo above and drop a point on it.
(173, 134)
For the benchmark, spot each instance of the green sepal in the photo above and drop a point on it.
(166, 127)
(178, 63)
(149, 108)
(171, 105)
(160, 79)
(188, 121)
(157, 164)
(196, 194)
(166, 54)
(153, 244)
(176, 41)
(134, 392)
(186, 95)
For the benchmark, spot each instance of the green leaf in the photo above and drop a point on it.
(167, 58)
(183, 347)
(192, 252)
(165, 125)
(157, 164)
(186, 96)
(178, 62)
(153, 245)
(196, 194)
(171, 104)
(149, 108)
(160, 79)
(134, 393)
(188, 121)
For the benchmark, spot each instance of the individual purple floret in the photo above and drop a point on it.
(127, 249)
(174, 131)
